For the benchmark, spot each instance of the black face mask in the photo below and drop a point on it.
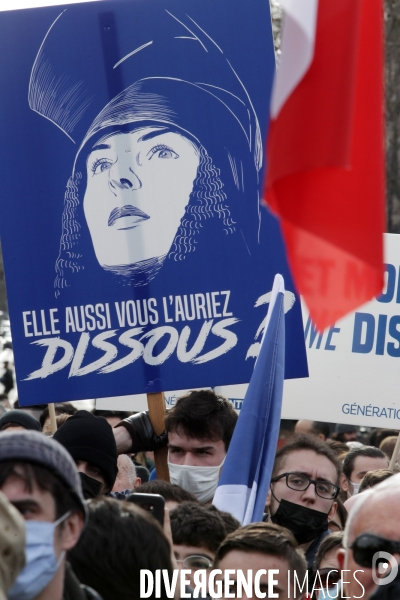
(306, 524)
(91, 488)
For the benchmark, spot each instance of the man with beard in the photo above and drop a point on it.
(304, 486)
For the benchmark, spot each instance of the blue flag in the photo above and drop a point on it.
(246, 475)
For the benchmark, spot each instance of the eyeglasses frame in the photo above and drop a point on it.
(310, 481)
(195, 556)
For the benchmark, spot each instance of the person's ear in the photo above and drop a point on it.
(268, 500)
(71, 530)
(333, 510)
(340, 557)
(344, 484)
(321, 437)
(137, 482)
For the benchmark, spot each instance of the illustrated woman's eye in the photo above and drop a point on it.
(100, 165)
(162, 151)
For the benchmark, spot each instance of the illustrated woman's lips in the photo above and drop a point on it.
(131, 216)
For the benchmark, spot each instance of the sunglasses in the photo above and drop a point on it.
(365, 546)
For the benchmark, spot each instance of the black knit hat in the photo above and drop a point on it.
(21, 417)
(90, 438)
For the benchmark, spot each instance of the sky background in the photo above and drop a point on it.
(14, 4)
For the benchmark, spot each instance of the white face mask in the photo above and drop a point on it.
(200, 481)
(356, 487)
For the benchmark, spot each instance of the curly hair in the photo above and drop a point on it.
(207, 200)
(69, 257)
(195, 525)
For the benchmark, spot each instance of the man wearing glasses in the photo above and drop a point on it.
(372, 543)
(197, 531)
(304, 485)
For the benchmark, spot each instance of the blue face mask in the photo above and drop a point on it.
(332, 592)
(41, 562)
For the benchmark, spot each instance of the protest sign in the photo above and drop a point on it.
(137, 256)
(354, 370)
(354, 365)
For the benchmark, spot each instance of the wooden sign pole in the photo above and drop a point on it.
(156, 405)
(396, 450)
(52, 415)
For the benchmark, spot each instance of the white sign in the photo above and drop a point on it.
(354, 366)
(137, 402)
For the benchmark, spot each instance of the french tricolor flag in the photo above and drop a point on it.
(243, 486)
(326, 172)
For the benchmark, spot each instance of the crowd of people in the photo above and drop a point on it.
(83, 513)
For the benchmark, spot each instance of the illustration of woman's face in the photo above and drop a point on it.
(138, 185)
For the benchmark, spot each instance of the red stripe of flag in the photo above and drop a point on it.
(325, 177)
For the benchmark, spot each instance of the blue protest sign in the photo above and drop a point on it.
(137, 255)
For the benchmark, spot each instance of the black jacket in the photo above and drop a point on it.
(7, 380)
(73, 590)
(391, 591)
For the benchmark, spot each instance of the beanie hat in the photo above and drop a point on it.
(345, 428)
(90, 438)
(34, 447)
(21, 417)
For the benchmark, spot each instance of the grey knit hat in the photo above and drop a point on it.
(35, 447)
